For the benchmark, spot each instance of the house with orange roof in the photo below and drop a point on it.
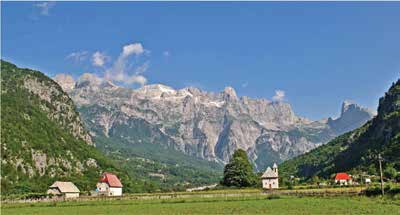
(343, 178)
(109, 185)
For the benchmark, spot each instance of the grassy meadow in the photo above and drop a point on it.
(258, 204)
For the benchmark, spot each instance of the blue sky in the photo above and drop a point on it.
(319, 54)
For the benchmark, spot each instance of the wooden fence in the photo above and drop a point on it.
(200, 194)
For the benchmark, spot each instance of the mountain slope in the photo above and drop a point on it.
(43, 139)
(150, 155)
(356, 150)
(205, 125)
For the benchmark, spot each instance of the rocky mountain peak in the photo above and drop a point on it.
(108, 84)
(88, 79)
(193, 90)
(66, 82)
(155, 91)
(352, 116)
(348, 105)
(156, 88)
(229, 93)
(349, 108)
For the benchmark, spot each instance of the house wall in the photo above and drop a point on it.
(273, 182)
(343, 182)
(53, 191)
(102, 187)
(71, 195)
(115, 191)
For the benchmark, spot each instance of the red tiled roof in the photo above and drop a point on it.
(342, 176)
(111, 179)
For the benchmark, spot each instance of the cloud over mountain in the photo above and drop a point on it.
(127, 69)
(124, 71)
(77, 56)
(279, 96)
(99, 59)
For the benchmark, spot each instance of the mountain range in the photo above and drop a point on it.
(155, 138)
(44, 140)
(206, 125)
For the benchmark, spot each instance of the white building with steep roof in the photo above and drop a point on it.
(270, 178)
(109, 184)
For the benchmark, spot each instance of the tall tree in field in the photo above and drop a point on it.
(239, 172)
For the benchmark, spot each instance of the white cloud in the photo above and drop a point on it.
(136, 79)
(142, 68)
(99, 59)
(279, 95)
(45, 7)
(134, 48)
(122, 71)
(78, 56)
(166, 53)
(245, 84)
(90, 77)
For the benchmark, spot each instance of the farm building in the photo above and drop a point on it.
(67, 189)
(109, 185)
(270, 178)
(343, 178)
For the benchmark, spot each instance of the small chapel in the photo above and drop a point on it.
(270, 178)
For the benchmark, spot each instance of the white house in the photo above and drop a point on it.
(270, 178)
(67, 189)
(109, 185)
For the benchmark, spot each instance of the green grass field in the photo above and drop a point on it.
(219, 205)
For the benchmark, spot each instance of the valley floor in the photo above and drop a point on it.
(270, 204)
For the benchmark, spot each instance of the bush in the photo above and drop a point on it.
(394, 191)
(376, 190)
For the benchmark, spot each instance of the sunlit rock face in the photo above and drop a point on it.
(206, 125)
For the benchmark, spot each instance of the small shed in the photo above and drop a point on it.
(109, 184)
(343, 178)
(64, 188)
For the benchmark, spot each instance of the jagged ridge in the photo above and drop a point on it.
(205, 124)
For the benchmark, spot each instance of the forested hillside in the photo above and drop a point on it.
(356, 151)
(42, 137)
